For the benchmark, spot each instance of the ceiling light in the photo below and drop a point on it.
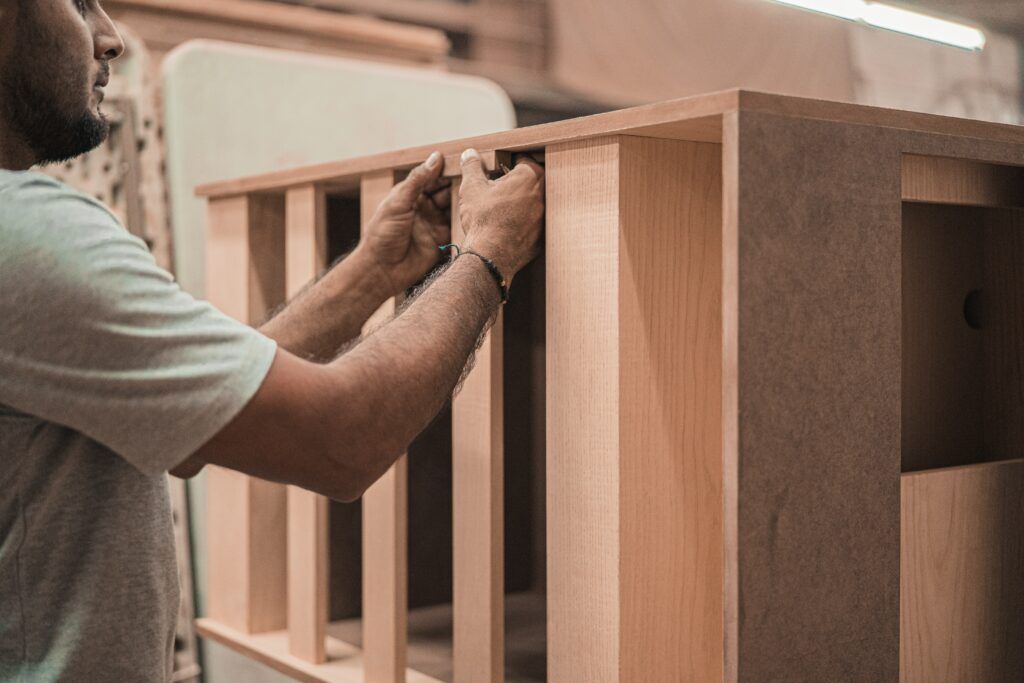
(897, 19)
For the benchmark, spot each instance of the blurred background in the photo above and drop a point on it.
(211, 89)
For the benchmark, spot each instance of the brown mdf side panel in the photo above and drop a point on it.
(246, 516)
(963, 335)
(962, 574)
(634, 399)
(816, 456)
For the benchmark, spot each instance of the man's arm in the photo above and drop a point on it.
(336, 428)
(398, 249)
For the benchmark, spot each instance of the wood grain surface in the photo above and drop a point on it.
(305, 257)
(385, 520)
(246, 516)
(944, 180)
(962, 596)
(634, 410)
(478, 500)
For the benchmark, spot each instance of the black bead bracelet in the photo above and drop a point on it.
(499, 279)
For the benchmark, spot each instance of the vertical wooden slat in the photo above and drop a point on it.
(478, 509)
(385, 520)
(305, 257)
(634, 410)
(246, 581)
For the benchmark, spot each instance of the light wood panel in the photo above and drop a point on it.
(944, 180)
(345, 664)
(385, 523)
(962, 559)
(246, 516)
(478, 508)
(634, 410)
(305, 258)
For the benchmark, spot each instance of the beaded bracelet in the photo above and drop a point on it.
(499, 279)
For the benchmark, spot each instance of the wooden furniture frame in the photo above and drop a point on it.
(751, 301)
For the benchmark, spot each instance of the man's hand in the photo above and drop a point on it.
(403, 236)
(502, 218)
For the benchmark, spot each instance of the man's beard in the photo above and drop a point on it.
(53, 135)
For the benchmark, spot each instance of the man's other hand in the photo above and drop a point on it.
(502, 218)
(403, 236)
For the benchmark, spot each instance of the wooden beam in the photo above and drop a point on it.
(246, 516)
(478, 508)
(305, 258)
(942, 180)
(634, 473)
(385, 522)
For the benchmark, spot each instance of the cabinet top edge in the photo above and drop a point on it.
(697, 118)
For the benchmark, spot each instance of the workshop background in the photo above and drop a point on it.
(355, 71)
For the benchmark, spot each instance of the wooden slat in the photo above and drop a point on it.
(942, 180)
(305, 257)
(478, 508)
(634, 410)
(385, 523)
(961, 569)
(246, 525)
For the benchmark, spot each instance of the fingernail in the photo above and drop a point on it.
(433, 159)
(470, 154)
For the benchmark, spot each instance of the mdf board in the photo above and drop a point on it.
(814, 462)
(961, 600)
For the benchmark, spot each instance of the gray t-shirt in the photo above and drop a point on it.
(109, 376)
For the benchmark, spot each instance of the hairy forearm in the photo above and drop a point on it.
(331, 311)
(409, 368)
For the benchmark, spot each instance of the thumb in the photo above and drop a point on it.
(410, 189)
(473, 175)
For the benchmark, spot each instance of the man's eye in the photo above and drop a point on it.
(80, 4)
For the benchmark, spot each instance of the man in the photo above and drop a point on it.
(111, 376)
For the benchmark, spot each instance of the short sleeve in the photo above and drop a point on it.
(95, 336)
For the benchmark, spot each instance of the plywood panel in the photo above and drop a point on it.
(635, 401)
(246, 518)
(670, 394)
(962, 563)
(385, 523)
(478, 508)
(583, 503)
(305, 257)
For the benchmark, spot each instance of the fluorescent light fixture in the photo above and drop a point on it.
(897, 19)
(844, 9)
(924, 26)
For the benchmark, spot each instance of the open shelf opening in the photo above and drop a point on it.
(963, 335)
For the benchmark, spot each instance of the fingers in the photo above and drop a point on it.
(473, 174)
(526, 169)
(419, 178)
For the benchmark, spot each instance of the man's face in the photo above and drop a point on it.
(52, 72)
